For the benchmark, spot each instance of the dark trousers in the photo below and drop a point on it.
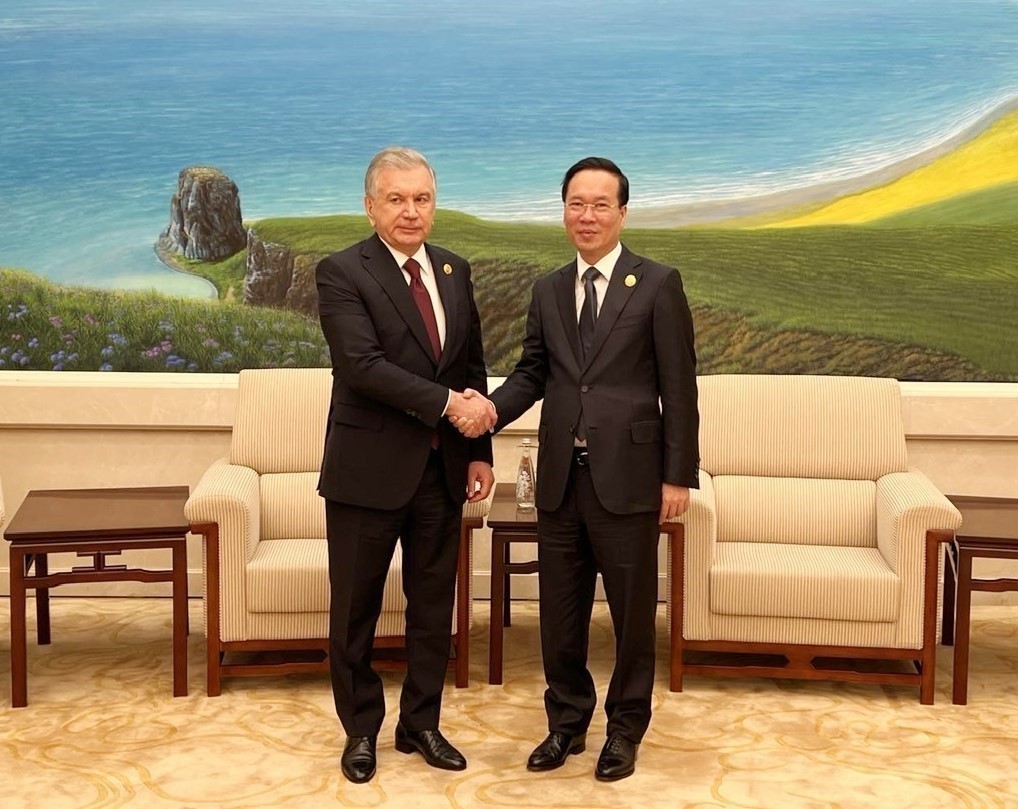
(575, 542)
(361, 544)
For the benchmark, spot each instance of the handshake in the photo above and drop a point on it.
(471, 413)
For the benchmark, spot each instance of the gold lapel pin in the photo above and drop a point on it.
(630, 280)
(447, 269)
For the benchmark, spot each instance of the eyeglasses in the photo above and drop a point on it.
(577, 208)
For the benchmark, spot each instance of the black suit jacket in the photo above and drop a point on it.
(388, 393)
(637, 387)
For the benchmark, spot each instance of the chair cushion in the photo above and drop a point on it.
(292, 575)
(801, 426)
(796, 511)
(290, 506)
(802, 581)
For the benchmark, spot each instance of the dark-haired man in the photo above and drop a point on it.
(609, 348)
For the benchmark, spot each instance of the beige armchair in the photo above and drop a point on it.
(809, 538)
(265, 556)
(3, 514)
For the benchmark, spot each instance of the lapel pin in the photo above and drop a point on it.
(447, 269)
(630, 280)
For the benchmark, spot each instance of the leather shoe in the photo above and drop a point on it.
(617, 759)
(432, 745)
(358, 761)
(553, 751)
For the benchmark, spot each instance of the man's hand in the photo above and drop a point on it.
(471, 413)
(674, 501)
(480, 479)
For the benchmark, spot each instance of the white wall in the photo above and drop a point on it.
(77, 429)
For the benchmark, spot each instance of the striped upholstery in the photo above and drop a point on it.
(807, 511)
(808, 527)
(802, 581)
(280, 421)
(801, 426)
(291, 506)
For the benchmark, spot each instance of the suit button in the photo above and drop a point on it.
(584, 388)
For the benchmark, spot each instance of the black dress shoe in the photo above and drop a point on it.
(432, 745)
(617, 759)
(553, 751)
(358, 761)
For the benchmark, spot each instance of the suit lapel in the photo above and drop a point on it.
(448, 291)
(615, 300)
(378, 261)
(565, 296)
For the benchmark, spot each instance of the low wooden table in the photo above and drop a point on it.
(95, 524)
(989, 530)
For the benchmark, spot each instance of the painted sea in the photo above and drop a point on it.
(103, 103)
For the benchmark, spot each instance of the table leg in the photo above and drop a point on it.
(950, 583)
(507, 595)
(498, 577)
(962, 628)
(180, 619)
(42, 601)
(19, 650)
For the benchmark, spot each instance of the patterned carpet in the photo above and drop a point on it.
(101, 730)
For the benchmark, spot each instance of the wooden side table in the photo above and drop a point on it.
(989, 530)
(95, 524)
(508, 524)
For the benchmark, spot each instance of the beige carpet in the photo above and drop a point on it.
(101, 730)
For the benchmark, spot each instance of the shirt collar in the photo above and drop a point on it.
(421, 255)
(605, 265)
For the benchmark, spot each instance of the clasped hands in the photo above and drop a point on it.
(471, 413)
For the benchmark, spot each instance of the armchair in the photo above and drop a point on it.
(809, 539)
(265, 560)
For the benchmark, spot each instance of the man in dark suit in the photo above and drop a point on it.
(610, 350)
(405, 340)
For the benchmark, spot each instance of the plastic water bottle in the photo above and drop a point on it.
(525, 479)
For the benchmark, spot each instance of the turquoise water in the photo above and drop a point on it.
(105, 101)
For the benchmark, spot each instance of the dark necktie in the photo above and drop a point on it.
(588, 315)
(588, 318)
(424, 304)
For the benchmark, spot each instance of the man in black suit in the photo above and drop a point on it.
(610, 350)
(405, 340)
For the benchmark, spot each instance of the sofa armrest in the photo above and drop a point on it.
(701, 534)
(228, 495)
(909, 505)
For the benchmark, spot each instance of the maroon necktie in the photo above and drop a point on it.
(424, 304)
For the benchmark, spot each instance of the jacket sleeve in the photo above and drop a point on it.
(676, 368)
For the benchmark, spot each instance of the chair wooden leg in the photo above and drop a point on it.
(213, 653)
(928, 675)
(464, 569)
(676, 595)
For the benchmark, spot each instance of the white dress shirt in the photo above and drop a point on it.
(605, 266)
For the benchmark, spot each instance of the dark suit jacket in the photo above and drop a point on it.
(642, 354)
(388, 392)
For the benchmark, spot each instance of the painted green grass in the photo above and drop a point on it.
(930, 301)
(991, 206)
(950, 289)
(44, 326)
